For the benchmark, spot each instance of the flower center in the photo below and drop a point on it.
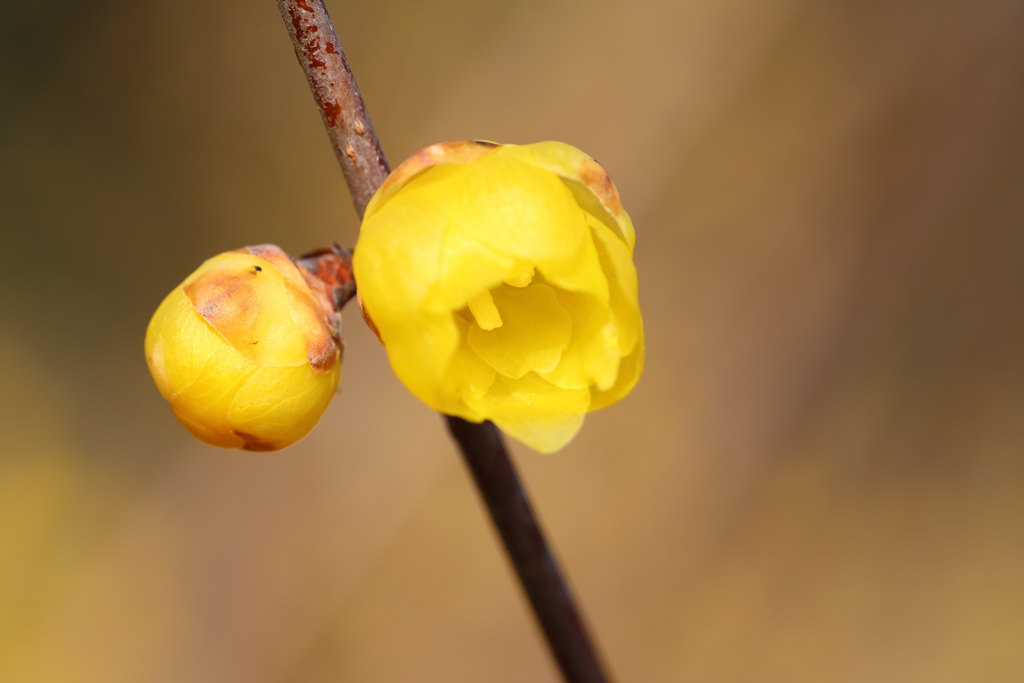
(532, 330)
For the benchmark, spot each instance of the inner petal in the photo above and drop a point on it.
(592, 357)
(467, 375)
(536, 331)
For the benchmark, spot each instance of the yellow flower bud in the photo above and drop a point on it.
(500, 279)
(247, 353)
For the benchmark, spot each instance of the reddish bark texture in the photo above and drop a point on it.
(330, 271)
(348, 125)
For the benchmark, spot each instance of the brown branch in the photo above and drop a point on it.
(348, 125)
(483, 449)
(512, 514)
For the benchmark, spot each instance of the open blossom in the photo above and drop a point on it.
(500, 279)
(245, 351)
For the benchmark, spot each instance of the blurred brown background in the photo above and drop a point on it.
(818, 479)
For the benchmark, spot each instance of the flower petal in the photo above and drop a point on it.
(586, 179)
(581, 273)
(617, 263)
(534, 411)
(412, 255)
(506, 205)
(630, 369)
(468, 376)
(273, 407)
(461, 152)
(592, 357)
(243, 298)
(179, 344)
(207, 400)
(397, 258)
(420, 353)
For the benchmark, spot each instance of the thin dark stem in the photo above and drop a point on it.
(363, 164)
(348, 125)
(499, 485)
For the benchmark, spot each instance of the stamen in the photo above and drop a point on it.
(483, 309)
(521, 276)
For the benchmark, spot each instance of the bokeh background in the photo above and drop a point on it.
(820, 477)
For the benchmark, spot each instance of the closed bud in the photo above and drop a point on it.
(247, 350)
(500, 279)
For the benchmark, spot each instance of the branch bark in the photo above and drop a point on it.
(499, 485)
(483, 449)
(348, 125)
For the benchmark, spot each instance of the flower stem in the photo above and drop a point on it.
(499, 485)
(365, 168)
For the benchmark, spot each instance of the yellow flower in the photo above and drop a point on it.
(247, 353)
(500, 279)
